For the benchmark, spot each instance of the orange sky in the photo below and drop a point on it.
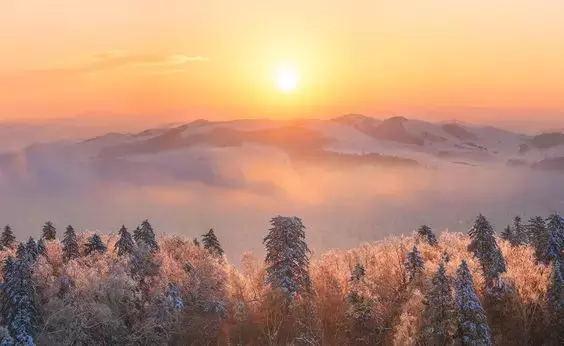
(65, 57)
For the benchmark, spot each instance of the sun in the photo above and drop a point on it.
(288, 79)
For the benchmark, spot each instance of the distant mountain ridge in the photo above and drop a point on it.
(196, 150)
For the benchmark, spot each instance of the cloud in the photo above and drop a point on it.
(124, 59)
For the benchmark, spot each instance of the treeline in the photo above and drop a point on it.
(140, 289)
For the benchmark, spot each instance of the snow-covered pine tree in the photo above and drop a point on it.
(414, 264)
(21, 252)
(41, 247)
(472, 321)
(71, 249)
(538, 235)
(145, 234)
(555, 244)
(7, 239)
(520, 233)
(507, 234)
(287, 256)
(484, 246)
(196, 242)
(427, 234)
(211, 243)
(95, 243)
(17, 304)
(357, 273)
(49, 231)
(439, 315)
(31, 250)
(125, 244)
(361, 329)
(555, 297)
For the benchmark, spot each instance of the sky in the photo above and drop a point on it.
(477, 60)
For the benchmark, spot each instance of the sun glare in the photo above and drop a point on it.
(288, 79)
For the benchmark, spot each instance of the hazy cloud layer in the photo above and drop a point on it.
(119, 59)
(340, 207)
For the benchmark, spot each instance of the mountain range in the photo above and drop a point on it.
(211, 152)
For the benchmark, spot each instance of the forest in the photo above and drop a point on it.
(143, 287)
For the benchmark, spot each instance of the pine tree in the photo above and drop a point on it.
(70, 245)
(555, 244)
(17, 301)
(145, 234)
(125, 244)
(287, 256)
(21, 252)
(439, 314)
(414, 264)
(31, 250)
(538, 235)
(196, 242)
(211, 243)
(95, 243)
(484, 247)
(361, 329)
(507, 234)
(520, 233)
(472, 321)
(41, 247)
(555, 301)
(357, 273)
(7, 239)
(49, 231)
(426, 233)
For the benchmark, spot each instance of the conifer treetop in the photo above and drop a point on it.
(7, 239)
(287, 256)
(49, 231)
(472, 319)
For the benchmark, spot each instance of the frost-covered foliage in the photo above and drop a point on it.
(414, 264)
(211, 243)
(287, 256)
(145, 234)
(49, 231)
(70, 245)
(7, 239)
(182, 295)
(439, 325)
(472, 319)
(125, 244)
(484, 247)
(94, 244)
(427, 234)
